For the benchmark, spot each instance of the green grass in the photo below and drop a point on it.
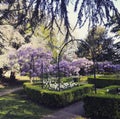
(1, 86)
(17, 106)
(79, 117)
(68, 79)
(112, 76)
(5, 83)
(83, 78)
(22, 77)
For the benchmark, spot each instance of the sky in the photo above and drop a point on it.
(82, 32)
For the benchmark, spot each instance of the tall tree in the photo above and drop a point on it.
(101, 45)
(95, 41)
(115, 24)
(35, 12)
(117, 52)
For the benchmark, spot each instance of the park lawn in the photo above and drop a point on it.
(79, 117)
(1, 86)
(112, 76)
(107, 76)
(22, 77)
(17, 106)
(83, 78)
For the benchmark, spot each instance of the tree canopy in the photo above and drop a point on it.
(103, 45)
(115, 24)
(30, 13)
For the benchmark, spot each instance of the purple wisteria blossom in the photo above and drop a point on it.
(81, 63)
(31, 61)
(35, 62)
(108, 67)
(68, 68)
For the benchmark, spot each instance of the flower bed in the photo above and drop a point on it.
(65, 83)
(56, 98)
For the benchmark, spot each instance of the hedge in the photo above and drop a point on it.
(103, 105)
(102, 82)
(55, 98)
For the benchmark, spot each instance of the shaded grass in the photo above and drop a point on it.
(80, 78)
(110, 76)
(114, 76)
(4, 87)
(17, 106)
(7, 83)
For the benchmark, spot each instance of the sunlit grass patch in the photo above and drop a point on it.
(83, 78)
(1, 86)
(17, 106)
(22, 77)
(79, 117)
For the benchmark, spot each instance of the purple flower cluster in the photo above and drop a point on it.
(81, 63)
(108, 67)
(68, 68)
(32, 61)
(64, 67)
(35, 62)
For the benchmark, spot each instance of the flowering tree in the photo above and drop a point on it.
(68, 68)
(31, 61)
(33, 12)
(35, 62)
(108, 67)
(64, 68)
(79, 64)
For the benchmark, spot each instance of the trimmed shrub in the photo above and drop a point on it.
(66, 79)
(54, 98)
(103, 105)
(102, 82)
(69, 79)
(113, 89)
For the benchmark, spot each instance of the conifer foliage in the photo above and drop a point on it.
(30, 13)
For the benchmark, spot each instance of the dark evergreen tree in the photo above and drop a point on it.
(115, 24)
(107, 53)
(29, 13)
(116, 53)
(102, 45)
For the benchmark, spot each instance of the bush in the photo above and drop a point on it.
(103, 105)
(113, 89)
(54, 98)
(66, 79)
(103, 81)
(70, 79)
